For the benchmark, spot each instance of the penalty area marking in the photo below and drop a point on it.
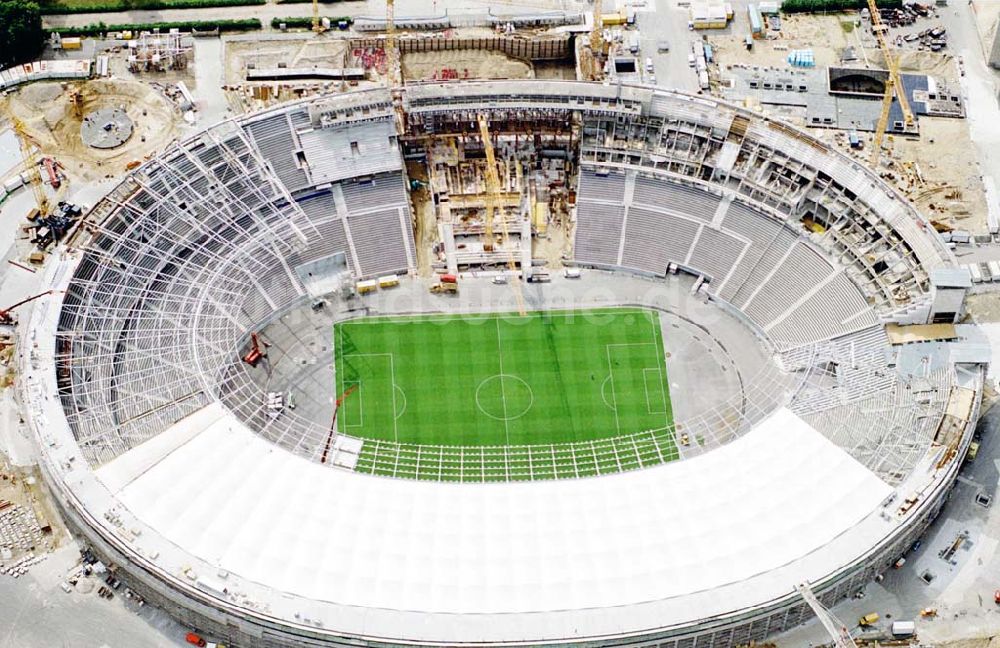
(402, 395)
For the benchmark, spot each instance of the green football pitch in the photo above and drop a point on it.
(556, 377)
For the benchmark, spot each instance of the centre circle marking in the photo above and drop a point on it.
(516, 397)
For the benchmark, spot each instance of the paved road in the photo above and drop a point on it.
(668, 22)
(37, 613)
(979, 85)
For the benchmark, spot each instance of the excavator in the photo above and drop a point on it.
(258, 350)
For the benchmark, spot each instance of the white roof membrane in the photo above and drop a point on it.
(775, 495)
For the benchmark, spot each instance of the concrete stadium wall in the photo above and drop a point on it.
(534, 49)
(225, 622)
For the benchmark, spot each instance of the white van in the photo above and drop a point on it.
(649, 64)
(690, 60)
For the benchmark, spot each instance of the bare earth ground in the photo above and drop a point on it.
(307, 51)
(479, 64)
(47, 112)
(990, 642)
(983, 307)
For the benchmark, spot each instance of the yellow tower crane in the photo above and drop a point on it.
(391, 51)
(317, 25)
(595, 65)
(596, 30)
(493, 210)
(394, 68)
(893, 85)
(31, 163)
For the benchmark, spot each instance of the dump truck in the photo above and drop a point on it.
(448, 283)
(868, 620)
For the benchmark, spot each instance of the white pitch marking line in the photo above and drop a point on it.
(503, 393)
(661, 366)
(611, 373)
(361, 403)
(392, 372)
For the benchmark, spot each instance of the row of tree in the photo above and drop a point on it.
(818, 6)
(21, 34)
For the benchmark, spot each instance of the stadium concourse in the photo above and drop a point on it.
(786, 417)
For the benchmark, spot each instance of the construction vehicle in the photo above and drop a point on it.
(7, 314)
(492, 210)
(195, 640)
(50, 228)
(447, 285)
(258, 350)
(893, 84)
(869, 620)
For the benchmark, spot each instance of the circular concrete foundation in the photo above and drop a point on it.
(106, 128)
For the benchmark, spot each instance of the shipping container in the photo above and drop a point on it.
(388, 281)
(367, 286)
(976, 273)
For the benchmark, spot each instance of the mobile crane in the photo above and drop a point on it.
(7, 314)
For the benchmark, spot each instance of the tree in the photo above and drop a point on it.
(21, 34)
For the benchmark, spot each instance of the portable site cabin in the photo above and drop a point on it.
(756, 21)
(388, 281)
(708, 16)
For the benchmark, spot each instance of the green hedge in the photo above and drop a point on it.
(817, 6)
(95, 29)
(146, 5)
(306, 22)
(305, 1)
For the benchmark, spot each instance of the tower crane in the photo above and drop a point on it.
(317, 25)
(893, 85)
(597, 29)
(492, 210)
(594, 68)
(834, 627)
(394, 66)
(391, 53)
(31, 162)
